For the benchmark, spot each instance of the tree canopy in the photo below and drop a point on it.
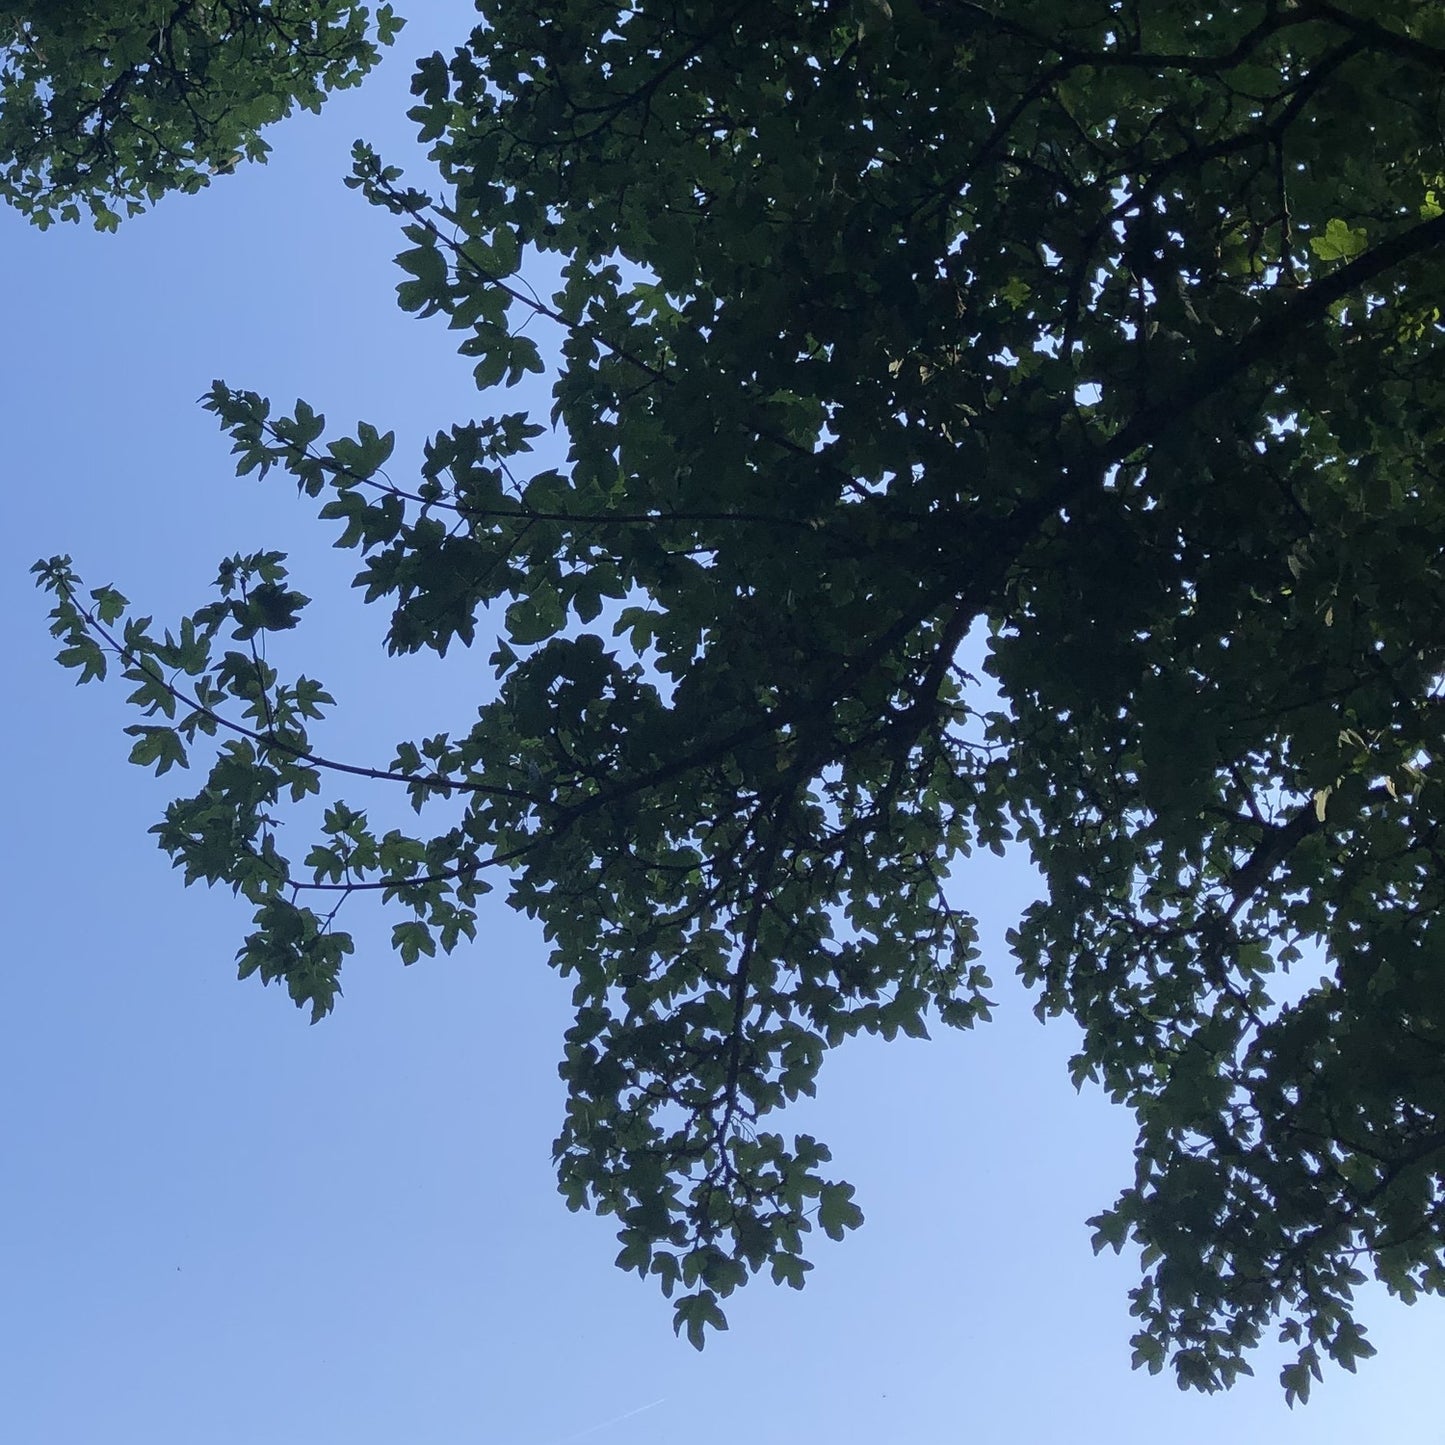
(1098, 339)
(106, 106)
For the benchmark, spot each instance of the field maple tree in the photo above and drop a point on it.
(1108, 331)
(113, 103)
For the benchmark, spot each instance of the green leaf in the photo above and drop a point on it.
(1340, 242)
(836, 1212)
(158, 746)
(411, 940)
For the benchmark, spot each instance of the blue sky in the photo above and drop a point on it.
(219, 1225)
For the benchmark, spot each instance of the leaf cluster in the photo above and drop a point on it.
(106, 106)
(1109, 335)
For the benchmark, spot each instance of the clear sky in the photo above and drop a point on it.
(222, 1227)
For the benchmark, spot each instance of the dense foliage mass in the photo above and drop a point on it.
(1108, 328)
(111, 104)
